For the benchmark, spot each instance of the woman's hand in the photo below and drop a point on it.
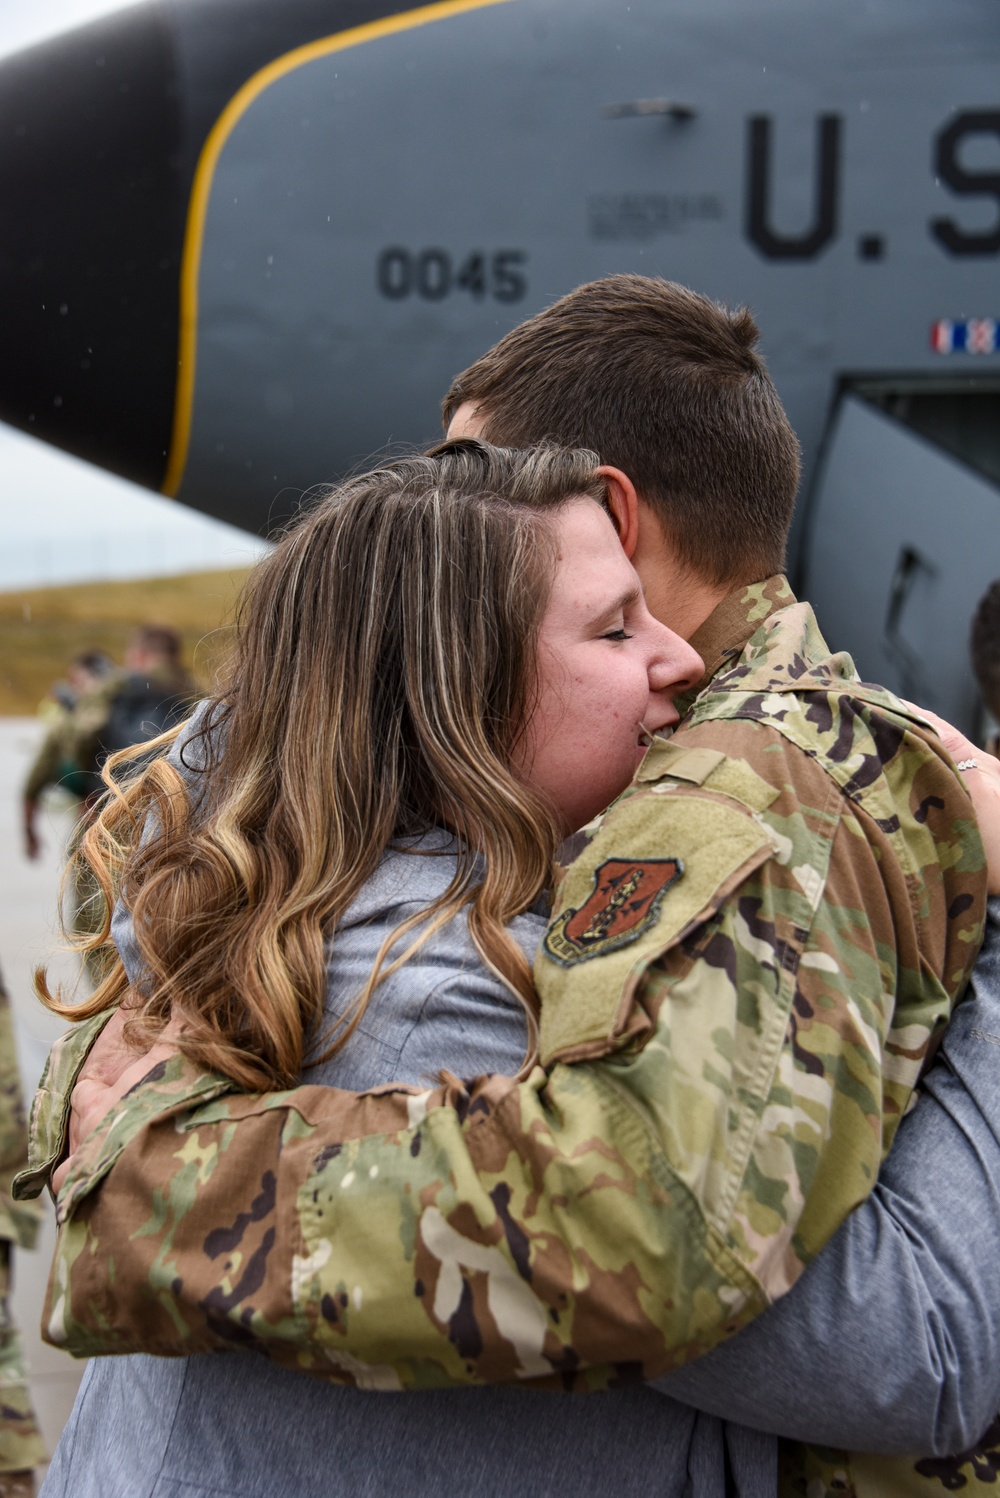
(111, 1070)
(984, 787)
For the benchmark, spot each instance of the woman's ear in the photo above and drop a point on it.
(623, 507)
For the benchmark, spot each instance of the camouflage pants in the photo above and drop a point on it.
(21, 1444)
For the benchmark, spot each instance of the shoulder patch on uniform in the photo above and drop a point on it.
(585, 1005)
(623, 903)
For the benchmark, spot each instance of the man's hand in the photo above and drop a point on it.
(983, 782)
(111, 1070)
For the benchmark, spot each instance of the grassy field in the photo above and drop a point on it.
(41, 629)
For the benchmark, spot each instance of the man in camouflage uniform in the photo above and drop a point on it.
(748, 962)
(21, 1445)
(113, 709)
(67, 754)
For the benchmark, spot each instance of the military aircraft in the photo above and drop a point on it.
(246, 245)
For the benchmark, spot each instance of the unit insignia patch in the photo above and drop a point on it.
(624, 903)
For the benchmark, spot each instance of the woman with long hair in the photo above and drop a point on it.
(398, 709)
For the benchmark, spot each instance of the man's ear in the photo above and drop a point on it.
(623, 505)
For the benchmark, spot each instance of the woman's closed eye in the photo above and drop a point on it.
(617, 634)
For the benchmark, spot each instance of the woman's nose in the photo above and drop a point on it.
(676, 667)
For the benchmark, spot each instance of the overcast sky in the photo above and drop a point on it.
(62, 519)
(23, 22)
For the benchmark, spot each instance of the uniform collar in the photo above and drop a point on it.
(724, 635)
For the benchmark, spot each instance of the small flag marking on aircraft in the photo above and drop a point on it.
(975, 335)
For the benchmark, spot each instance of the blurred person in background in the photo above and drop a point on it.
(984, 646)
(21, 1445)
(114, 709)
(59, 761)
(111, 709)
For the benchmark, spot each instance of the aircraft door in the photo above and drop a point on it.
(903, 540)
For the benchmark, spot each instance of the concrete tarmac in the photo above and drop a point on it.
(29, 937)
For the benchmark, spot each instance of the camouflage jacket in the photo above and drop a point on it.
(67, 755)
(748, 963)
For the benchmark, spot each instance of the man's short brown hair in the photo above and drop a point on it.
(666, 385)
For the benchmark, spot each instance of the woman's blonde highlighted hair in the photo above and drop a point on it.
(383, 674)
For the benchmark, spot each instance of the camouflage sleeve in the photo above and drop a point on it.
(724, 1035)
(330, 1229)
(44, 769)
